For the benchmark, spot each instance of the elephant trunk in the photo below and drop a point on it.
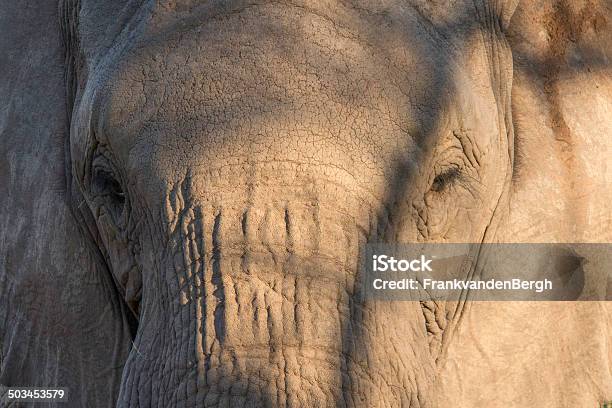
(258, 305)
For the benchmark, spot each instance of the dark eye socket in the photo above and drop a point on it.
(444, 179)
(104, 183)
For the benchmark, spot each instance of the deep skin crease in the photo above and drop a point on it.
(213, 175)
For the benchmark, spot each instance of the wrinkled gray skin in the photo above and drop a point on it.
(187, 189)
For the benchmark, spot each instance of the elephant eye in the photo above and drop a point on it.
(105, 184)
(109, 193)
(445, 178)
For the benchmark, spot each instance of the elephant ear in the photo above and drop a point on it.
(62, 323)
(561, 103)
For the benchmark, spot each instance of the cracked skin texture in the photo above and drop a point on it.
(201, 209)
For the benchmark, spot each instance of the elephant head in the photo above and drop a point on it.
(188, 189)
(231, 160)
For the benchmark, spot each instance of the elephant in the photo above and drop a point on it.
(188, 186)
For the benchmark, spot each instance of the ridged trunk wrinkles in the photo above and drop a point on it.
(256, 304)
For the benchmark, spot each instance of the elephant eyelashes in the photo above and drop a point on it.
(444, 179)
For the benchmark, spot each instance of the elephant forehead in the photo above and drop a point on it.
(275, 73)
